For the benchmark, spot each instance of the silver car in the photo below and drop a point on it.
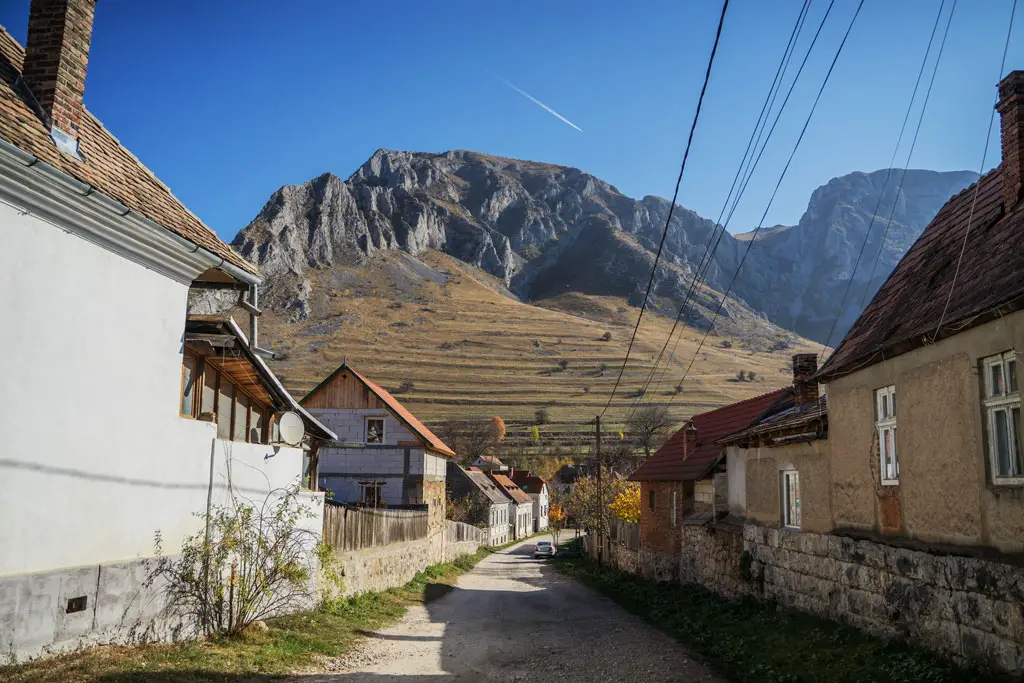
(543, 549)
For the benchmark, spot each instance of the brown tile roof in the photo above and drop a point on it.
(811, 417)
(528, 482)
(510, 488)
(401, 412)
(906, 310)
(108, 166)
(670, 463)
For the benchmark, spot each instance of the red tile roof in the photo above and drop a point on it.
(906, 310)
(509, 487)
(108, 166)
(809, 418)
(528, 482)
(670, 462)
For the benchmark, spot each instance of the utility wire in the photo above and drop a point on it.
(771, 200)
(752, 143)
(672, 206)
(906, 166)
(888, 173)
(977, 186)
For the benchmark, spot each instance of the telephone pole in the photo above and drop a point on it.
(600, 493)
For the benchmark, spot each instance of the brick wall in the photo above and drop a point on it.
(659, 538)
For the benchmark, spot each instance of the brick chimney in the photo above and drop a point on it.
(1011, 114)
(56, 57)
(805, 387)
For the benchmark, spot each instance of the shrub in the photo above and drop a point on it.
(607, 336)
(586, 388)
(679, 388)
(751, 375)
(725, 344)
(563, 364)
(541, 416)
(406, 386)
(741, 376)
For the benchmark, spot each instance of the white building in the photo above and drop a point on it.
(490, 505)
(537, 489)
(103, 445)
(383, 455)
(522, 505)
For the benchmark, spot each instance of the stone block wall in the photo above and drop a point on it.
(962, 607)
(711, 557)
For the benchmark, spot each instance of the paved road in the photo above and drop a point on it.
(514, 618)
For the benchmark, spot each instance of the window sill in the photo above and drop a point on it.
(1008, 483)
(890, 482)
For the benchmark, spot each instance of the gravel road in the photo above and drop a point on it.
(513, 618)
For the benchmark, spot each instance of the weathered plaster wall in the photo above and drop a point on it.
(736, 476)
(945, 492)
(763, 468)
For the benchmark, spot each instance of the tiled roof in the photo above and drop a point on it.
(906, 310)
(809, 417)
(510, 488)
(108, 166)
(488, 487)
(401, 412)
(528, 482)
(493, 459)
(670, 463)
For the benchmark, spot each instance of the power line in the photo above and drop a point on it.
(977, 187)
(800, 138)
(906, 166)
(762, 121)
(672, 206)
(888, 173)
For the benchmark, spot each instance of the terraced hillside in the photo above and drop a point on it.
(469, 349)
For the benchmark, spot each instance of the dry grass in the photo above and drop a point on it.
(472, 351)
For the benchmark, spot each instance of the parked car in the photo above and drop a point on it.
(543, 549)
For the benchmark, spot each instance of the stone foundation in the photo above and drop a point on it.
(711, 557)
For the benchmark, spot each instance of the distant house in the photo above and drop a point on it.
(522, 505)
(127, 422)
(492, 507)
(564, 478)
(490, 463)
(778, 468)
(685, 480)
(383, 455)
(923, 392)
(537, 489)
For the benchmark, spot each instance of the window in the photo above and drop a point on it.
(256, 425)
(650, 499)
(885, 425)
(225, 402)
(189, 371)
(374, 430)
(208, 403)
(791, 498)
(371, 494)
(1002, 413)
(241, 419)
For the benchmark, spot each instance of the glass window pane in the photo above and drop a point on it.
(1015, 439)
(208, 403)
(1011, 372)
(188, 384)
(241, 415)
(225, 399)
(1002, 443)
(892, 403)
(995, 373)
(256, 425)
(375, 431)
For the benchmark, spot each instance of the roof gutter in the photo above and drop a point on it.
(76, 207)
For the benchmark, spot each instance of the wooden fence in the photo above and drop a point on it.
(348, 527)
(458, 532)
(624, 533)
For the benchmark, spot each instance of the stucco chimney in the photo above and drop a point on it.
(56, 57)
(1011, 114)
(805, 387)
(689, 440)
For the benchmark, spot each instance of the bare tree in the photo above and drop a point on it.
(470, 438)
(648, 426)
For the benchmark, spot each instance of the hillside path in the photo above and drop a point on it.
(513, 618)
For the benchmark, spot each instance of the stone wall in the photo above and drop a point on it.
(711, 557)
(616, 555)
(961, 607)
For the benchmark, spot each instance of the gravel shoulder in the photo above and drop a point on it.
(513, 618)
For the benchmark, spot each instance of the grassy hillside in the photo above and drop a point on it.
(471, 350)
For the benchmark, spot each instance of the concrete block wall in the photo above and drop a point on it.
(350, 424)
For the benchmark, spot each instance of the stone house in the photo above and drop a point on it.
(537, 489)
(383, 456)
(923, 392)
(104, 442)
(778, 468)
(493, 509)
(685, 480)
(522, 505)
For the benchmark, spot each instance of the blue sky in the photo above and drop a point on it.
(227, 101)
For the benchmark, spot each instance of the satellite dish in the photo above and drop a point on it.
(291, 428)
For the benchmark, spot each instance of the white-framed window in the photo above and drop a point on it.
(885, 426)
(1002, 414)
(375, 430)
(371, 493)
(791, 498)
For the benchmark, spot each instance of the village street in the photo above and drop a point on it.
(513, 618)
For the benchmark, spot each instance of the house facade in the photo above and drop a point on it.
(490, 463)
(384, 456)
(537, 489)
(105, 448)
(521, 525)
(490, 506)
(923, 392)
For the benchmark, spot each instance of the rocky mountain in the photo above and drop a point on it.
(545, 230)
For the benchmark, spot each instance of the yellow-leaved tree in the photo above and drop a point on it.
(626, 504)
(556, 521)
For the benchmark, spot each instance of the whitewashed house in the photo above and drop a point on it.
(537, 489)
(103, 443)
(522, 505)
(383, 455)
(490, 507)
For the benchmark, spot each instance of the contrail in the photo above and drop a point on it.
(541, 105)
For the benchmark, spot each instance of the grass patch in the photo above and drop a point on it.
(754, 642)
(290, 643)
